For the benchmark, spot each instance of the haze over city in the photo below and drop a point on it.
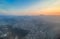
(29, 19)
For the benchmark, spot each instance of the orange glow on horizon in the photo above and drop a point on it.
(51, 11)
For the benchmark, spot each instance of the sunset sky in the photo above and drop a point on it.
(30, 7)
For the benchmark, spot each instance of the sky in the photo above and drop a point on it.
(30, 7)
